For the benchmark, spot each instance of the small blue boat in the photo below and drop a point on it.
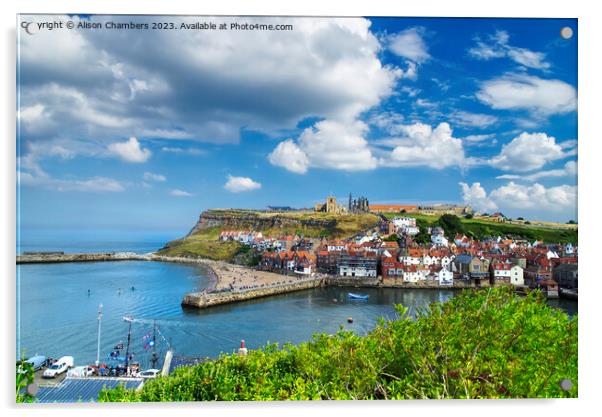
(357, 296)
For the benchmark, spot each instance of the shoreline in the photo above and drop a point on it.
(229, 283)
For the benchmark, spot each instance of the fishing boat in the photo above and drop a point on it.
(357, 296)
(126, 366)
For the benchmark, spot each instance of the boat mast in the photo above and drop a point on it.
(154, 357)
(98, 341)
(127, 350)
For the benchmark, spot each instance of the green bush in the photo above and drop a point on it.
(480, 344)
(25, 376)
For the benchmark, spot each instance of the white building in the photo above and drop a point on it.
(400, 222)
(428, 260)
(439, 240)
(336, 246)
(504, 272)
(446, 261)
(356, 271)
(445, 277)
(409, 260)
(410, 230)
(415, 274)
(517, 276)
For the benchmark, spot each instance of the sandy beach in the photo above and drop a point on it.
(229, 277)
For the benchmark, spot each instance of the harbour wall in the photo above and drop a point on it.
(204, 299)
(36, 258)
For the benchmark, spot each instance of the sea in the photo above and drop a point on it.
(59, 307)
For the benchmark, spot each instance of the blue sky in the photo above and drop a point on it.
(139, 131)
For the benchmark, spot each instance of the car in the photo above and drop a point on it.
(81, 372)
(149, 374)
(58, 367)
(38, 362)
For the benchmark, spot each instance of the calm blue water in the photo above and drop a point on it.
(57, 317)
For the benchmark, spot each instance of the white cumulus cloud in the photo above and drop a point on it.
(130, 151)
(241, 184)
(476, 196)
(535, 196)
(534, 200)
(527, 152)
(328, 144)
(90, 83)
(420, 144)
(540, 96)
(288, 155)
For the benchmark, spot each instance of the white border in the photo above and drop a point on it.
(590, 34)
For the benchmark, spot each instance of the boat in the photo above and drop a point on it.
(357, 296)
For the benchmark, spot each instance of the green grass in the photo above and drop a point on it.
(480, 344)
(205, 242)
(479, 229)
(312, 224)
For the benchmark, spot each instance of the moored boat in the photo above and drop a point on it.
(357, 296)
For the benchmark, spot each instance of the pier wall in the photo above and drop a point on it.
(80, 257)
(204, 300)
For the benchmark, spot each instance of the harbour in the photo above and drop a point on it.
(61, 293)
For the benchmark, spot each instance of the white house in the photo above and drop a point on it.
(446, 260)
(415, 274)
(336, 246)
(507, 273)
(409, 260)
(356, 271)
(516, 275)
(428, 260)
(410, 230)
(462, 241)
(445, 277)
(400, 222)
(439, 240)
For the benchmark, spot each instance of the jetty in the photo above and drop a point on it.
(209, 299)
(61, 257)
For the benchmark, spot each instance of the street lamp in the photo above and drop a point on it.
(98, 341)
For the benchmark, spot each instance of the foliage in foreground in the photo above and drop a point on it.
(480, 344)
(25, 377)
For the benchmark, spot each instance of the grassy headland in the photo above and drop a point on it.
(204, 242)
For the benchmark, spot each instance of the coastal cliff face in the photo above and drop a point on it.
(203, 240)
(265, 221)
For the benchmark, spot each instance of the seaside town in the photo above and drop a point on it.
(391, 256)
(397, 251)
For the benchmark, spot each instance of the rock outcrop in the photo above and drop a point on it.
(251, 220)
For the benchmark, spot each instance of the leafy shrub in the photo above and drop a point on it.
(451, 224)
(488, 343)
(25, 374)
